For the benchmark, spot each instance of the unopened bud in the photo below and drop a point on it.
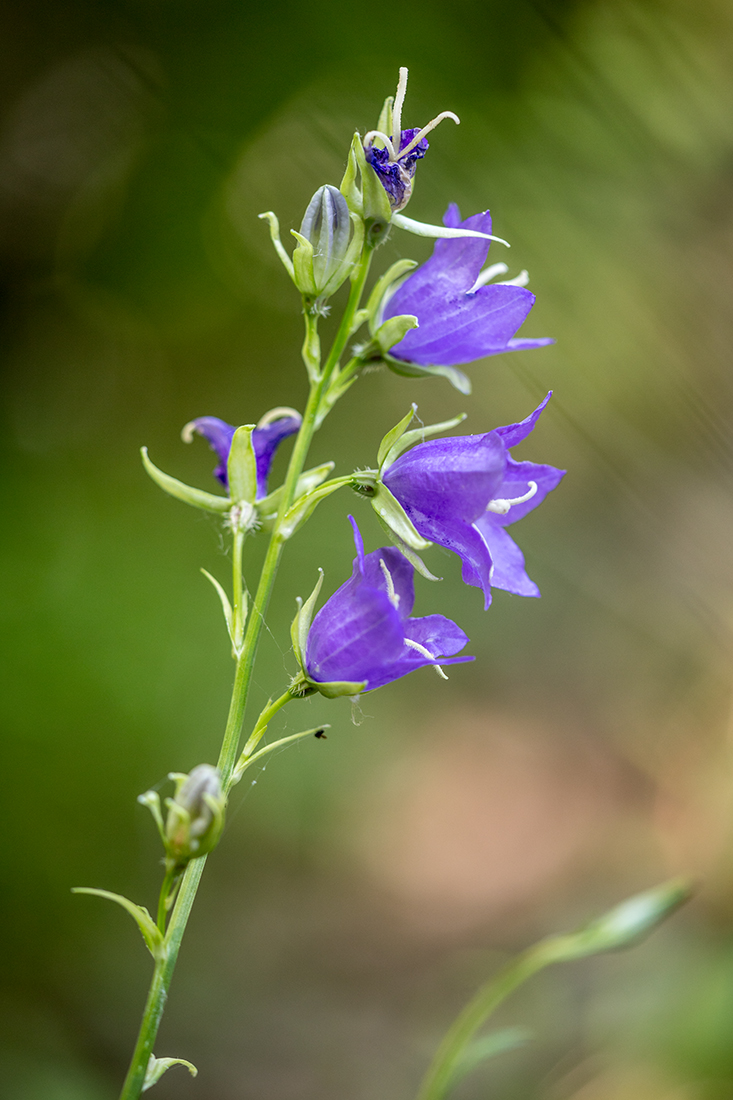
(195, 814)
(320, 260)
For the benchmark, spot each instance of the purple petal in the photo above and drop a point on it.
(401, 572)
(355, 635)
(465, 540)
(515, 433)
(516, 482)
(459, 328)
(266, 441)
(448, 479)
(528, 345)
(440, 636)
(219, 436)
(508, 572)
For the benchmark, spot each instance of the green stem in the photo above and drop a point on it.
(165, 965)
(262, 723)
(163, 897)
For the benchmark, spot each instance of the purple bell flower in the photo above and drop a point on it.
(461, 317)
(364, 634)
(462, 493)
(266, 438)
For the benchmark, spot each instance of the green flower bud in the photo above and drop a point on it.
(195, 814)
(324, 256)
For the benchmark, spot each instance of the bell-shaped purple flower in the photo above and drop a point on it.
(266, 438)
(462, 492)
(461, 317)
(364, 633)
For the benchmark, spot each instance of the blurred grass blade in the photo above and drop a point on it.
(498, 1042)
(622, 926)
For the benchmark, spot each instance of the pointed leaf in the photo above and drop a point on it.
(389, 509)
(150, 931)
(376, 206)
(303, 276)
(302, 622)
(418, 435)
(422, 229)
(242, 466)
(158, 1066)
(349, 187)
(175, 488)
(390, 439)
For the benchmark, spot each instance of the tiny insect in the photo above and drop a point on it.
(322, 734)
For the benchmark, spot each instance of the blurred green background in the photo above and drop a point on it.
(368, 883)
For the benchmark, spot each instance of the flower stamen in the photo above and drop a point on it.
(426, 130)
(487, 275)
(501, 506)
(369, 140)
(392, 596)
(426, 653)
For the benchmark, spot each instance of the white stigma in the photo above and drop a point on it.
(487, 275)
(277, 413)
(188, 431)
(399, 102)
(392, 596)
(426, 653)
(519, 280)
(501, 506)
(426, 130)
(369, 139)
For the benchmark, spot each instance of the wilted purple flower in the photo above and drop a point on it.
(266, 438)
(363, 633)
(462, 492)
(461, 317)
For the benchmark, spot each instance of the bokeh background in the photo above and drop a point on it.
(367, 883)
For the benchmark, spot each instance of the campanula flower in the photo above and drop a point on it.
(395, 158)
(273, 428)
(461, 315)
(462, 492)
(364, 633)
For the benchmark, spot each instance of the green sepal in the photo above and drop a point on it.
(274, 224)
(303, 276)
(151, 799)
(158, 1066)
(303, 509)
(242, 466)
(268, 506)
(349, 187)
(414, 559)
(385, 116)
(417, 435)
(393, 330)
(376, 208)
(209, 502)
(391, 512)
(393, 435)
(488, 1046)
(393, 274)
(336, 688)
(150, 932)
(301, 624)
(456, 377)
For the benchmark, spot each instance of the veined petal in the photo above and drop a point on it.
(508, 560)
(439, 635)
(515, 433)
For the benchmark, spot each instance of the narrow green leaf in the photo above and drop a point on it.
(242, 466)
(274, 224)
(175, 488)
(498, 1042)
(150, 931)
(390, 439)
(246, 761)
(349, 187)
(158, 1066)
(225, 605)
(376, 206)
(391, 512)
(303, 618)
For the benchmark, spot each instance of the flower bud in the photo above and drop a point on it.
(195, 814)
(320, 260)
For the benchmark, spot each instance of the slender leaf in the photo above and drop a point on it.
(150, 931)
(175, 488)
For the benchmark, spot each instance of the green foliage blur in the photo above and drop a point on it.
(367, 883)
